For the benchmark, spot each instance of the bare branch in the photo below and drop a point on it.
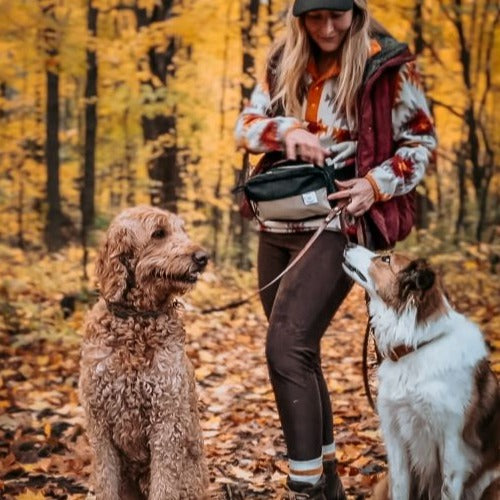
(434, 53)
(444, 10)
(450, 108)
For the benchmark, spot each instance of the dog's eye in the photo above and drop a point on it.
(159, 234)
(386, 259)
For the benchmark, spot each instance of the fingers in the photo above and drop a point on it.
(356, 195)
(303, 144)
(340, 195)
(311, 154)
(291, 149)
(346, 184)
(355, 209)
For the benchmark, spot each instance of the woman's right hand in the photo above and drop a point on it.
(301, 143)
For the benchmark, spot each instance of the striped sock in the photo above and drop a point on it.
(329, 452)
(306, 471)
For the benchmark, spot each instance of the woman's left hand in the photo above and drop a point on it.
(356, 194)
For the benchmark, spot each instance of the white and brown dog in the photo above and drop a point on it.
(438, 400)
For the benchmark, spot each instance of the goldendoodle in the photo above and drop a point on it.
(137, 385)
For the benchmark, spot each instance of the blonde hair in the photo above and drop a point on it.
(295, 48)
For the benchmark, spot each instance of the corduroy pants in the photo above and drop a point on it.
(299, 309)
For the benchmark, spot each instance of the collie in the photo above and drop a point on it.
(438, 400)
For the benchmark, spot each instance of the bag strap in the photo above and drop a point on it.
(334, 212)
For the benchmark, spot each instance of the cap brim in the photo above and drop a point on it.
(302, 6)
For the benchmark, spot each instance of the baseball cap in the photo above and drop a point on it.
(302, 6)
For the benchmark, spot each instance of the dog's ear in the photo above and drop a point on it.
(417, 276)
(114, 267)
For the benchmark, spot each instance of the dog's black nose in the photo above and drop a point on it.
(200, 258)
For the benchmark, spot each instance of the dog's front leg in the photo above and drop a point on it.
(166, 464)
(399, 467)
(106, 465)
(455, 465)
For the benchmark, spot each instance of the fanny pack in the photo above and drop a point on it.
(293, 190)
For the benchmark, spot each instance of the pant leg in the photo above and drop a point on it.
(275, 253)
(273, 256)
(305, 301)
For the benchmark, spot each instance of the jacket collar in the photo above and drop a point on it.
(391, 51)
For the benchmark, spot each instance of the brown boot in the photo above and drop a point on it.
(333, 486)
(306, 491)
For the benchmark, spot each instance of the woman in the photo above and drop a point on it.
(337, 86)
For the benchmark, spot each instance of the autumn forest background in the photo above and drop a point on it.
(110, 103)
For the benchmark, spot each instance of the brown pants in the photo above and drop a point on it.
(300, 308)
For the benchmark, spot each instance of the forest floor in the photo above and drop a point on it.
(43, 448)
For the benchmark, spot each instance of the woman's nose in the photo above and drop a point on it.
(328, 27)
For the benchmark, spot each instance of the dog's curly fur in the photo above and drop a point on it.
(136, 384)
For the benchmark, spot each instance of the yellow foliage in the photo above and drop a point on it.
(202, 90)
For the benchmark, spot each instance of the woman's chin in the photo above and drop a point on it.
(328, 47)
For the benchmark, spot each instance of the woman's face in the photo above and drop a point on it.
(328, 28)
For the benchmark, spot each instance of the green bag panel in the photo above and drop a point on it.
(288, 181)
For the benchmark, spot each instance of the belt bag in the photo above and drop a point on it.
(291, 191)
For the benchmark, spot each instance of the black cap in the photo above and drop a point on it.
(302, 6)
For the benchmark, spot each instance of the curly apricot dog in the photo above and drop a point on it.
(136, 384)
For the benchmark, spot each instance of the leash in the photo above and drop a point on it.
(366, 382)
(334, 212)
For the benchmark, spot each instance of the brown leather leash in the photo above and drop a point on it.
(366, 382)
(334, 212)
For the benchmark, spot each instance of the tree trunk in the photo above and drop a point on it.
(53, 233)
(270, 21)
(129, 156)
(87, 200)
(53, 229)
(422, 200)
(249, 19)
(216, 211)
(20, 205)
(462, 192)
(163, 167)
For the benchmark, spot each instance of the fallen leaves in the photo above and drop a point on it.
(43, 449)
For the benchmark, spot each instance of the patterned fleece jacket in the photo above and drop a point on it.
(412, 130)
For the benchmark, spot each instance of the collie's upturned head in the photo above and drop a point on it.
(397, 280)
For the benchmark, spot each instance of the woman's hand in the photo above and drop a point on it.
(356, 195)
(303, 144)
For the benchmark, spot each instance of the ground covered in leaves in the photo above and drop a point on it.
(43, 448)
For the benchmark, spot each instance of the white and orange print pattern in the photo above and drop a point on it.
(412, 130)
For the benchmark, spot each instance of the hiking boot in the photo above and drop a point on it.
(305, 491)
(333, 486)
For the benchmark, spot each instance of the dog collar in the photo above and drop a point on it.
(399, 351)
(123, 311)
